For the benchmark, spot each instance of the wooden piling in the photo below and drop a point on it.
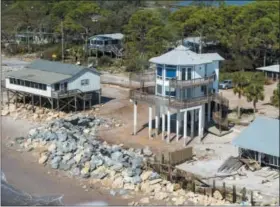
(234, 194)
(244, 194)
(224, 190)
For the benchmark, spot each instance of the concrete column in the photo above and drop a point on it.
(201, 121)
(192, 123)
(168, 126)
(150, 121)
(209, 112)
(163, 126)
(135, 119)
(185, 126)
(156, 121)
(178, 120)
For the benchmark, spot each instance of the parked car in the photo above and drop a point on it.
(226, 84)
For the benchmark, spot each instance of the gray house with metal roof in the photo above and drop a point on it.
(260, 141)
(54, 80)
(272, 71)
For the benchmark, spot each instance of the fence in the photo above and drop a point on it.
(191, 182)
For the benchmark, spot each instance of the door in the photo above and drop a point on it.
(189, 73)
(183, 73)
(65, 86)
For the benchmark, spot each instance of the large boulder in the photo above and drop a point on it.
(55, 162)
(62, 136)
(117, 156)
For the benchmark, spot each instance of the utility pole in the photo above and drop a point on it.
(27, 40)
(62, 42)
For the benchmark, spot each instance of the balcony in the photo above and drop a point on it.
(147, 95)
(190, 83)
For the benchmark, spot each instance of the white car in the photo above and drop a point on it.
(226, 84)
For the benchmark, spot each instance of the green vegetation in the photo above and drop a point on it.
(254, 92)
(275, 99)
(240, 82)
(247, 36)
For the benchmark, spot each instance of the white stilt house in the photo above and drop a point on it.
(185, 85)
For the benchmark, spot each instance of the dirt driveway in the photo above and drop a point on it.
(263, 107)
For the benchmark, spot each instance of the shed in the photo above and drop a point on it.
(260, 141)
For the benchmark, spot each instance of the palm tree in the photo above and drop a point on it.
(239, 82)
(254, 92)
(276, 96)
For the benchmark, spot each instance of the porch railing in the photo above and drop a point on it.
(194, 82)
(147, 95)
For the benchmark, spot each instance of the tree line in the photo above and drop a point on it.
(247, 36)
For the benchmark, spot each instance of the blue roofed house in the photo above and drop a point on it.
(260, 141)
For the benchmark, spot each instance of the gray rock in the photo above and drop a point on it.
(136, 179)
(115, 148)
(97, 161)
(137, 162)
(138, 171)
(75, 171)
(108, 162)
(123, 192)
(117, 167)
(19, 140)
(113, 192)
(138, 151)
(55, 165)
(71, 162)
(33, 132)
(50, 136)
(130, 172)
(116, 156)
(147, 152)
(62, 136)
(100, 175)
(127, 179)
(64, 166)
(154, 176)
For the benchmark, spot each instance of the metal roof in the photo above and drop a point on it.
(271, 68)
(182, 55)
(262, 136)
(55, 67)
(116, 36)
(38, 76)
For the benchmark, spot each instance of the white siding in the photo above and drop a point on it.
(94, 82)
(35, 91)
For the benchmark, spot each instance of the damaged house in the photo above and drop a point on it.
(260, 142)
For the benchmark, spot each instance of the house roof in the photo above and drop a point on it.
(271, 68)
(262, 136)
(48, 72)
(116, 36)
(55, 67)
(38, 76)
(182, 55)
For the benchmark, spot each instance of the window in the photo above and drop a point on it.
(12, 81)
(115, 42)
(17, 81)
(172, 91)
(203, 89)
(159, 89)
(84, 82)
(159, 71)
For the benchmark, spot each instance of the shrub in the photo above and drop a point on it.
(48, 53)
(105, 61)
